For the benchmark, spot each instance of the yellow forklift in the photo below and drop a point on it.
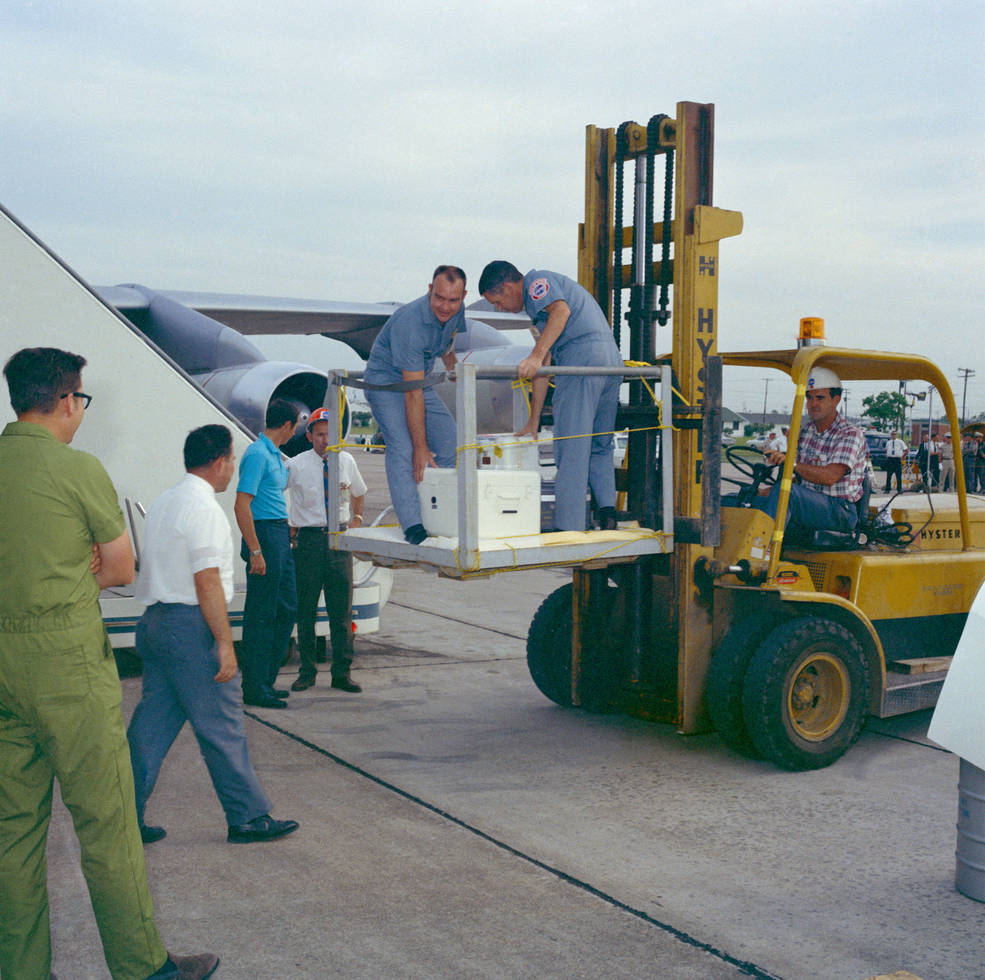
(786, 647)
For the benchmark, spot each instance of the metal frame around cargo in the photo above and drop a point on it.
(471, 556)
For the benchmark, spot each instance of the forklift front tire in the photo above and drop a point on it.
(549, 647)
(726, 678)
(549, 652)
(805, 693)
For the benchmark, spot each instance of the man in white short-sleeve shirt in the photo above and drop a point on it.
(318, 565)
(184, 639)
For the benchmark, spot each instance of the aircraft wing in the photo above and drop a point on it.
(355, 324)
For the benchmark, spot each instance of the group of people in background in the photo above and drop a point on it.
(934, 461)
(288, 545)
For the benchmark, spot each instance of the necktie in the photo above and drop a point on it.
(324, 477)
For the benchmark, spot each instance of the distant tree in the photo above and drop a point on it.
(886, 409)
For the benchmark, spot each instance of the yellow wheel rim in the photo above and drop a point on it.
(818, 697)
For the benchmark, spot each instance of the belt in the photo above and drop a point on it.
(322, 529)
(269, 520)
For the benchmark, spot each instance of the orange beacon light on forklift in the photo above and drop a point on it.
(811, 332)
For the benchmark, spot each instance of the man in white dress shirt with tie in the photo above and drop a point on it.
(184, 640)
(318, 565)
(895, 453)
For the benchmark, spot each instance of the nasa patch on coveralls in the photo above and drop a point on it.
(539, 288)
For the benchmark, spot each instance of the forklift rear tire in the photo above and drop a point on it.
(726, 678)
(805, 694)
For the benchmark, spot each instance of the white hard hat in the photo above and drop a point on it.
(822, 378)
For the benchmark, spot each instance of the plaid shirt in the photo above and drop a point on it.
(842, 443)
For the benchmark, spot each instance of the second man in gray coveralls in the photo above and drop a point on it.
(573, 332)
(419, 431)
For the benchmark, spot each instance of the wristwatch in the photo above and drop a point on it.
(257, 553)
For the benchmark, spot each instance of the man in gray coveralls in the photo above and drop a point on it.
(573, 332)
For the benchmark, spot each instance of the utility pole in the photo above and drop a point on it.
(968, 373)
(765, 394)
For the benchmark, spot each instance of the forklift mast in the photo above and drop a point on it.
(685, 274)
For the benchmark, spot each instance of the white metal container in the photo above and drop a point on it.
(508, 502)
(969, 875)
(505, 451)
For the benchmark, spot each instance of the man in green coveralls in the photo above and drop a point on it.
(62, 539)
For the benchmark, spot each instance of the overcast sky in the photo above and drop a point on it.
(341, 151)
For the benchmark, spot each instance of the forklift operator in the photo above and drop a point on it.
(830, 465)
(575, 332)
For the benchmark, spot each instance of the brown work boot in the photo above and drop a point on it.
(196, 967)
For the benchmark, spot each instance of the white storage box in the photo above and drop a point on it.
(509, 502)
(505, 451)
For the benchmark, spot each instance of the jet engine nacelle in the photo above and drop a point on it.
(247, 389)
(225, 364)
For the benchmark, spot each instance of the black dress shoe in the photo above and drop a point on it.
(280, 692)
(607, 519)
(150, 834)
(303, 683)
(415, 534)
(197, 967)
(346, 684)
(264, 701)
(260, 829)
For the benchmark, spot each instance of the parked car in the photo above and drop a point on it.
(876, 442)
(759, 442)
(728, 439)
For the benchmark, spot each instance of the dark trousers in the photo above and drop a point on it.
(320, 568)
(180, 664)
(269, 611)
(809, 511)
(894, 467)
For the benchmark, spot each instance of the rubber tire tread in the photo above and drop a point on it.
(763, 695)
(549, 666)
(726, 677)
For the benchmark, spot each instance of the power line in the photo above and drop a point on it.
(967, 372)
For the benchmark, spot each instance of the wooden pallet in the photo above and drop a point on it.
(920, 665)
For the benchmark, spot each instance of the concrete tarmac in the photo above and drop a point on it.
(456, 823)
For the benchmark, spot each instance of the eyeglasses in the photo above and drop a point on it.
(86, 399)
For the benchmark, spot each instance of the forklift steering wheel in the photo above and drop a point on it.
(750, 463)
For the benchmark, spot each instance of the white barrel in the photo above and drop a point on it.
(969, 875)
(366, 608)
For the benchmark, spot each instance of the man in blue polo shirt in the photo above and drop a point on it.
(417, 428)
(271, 597)
(573, 332)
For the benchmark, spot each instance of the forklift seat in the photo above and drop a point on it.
(825, 540)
